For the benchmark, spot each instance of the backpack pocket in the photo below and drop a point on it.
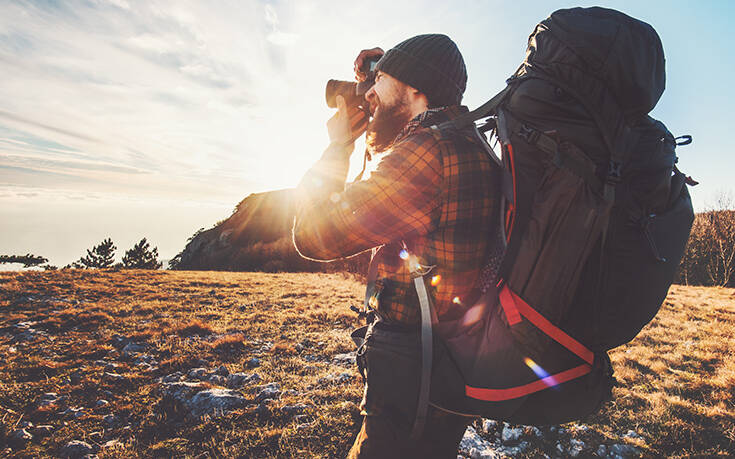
(566, 218)
(640, 260)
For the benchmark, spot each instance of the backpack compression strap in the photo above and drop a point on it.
(514, 307)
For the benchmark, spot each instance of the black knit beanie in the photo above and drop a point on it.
(430, 63)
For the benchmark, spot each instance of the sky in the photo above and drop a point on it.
(129, 119)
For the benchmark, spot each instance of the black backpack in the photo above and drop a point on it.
(596, 218)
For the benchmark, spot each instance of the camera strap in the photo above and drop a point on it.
(367, 157)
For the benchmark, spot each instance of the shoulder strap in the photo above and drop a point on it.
(427, 314)
(372, 276)
(483, 111)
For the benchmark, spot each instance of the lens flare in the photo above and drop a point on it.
(435, 280)
(456, 300)
(413, 263)
(403, 254)
(335, 197)
(474, 315)
(540, 372)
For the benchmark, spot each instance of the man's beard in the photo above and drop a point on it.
(386, 125)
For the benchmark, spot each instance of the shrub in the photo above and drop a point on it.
(141, 256)
(230, 344)
(192, 328)
(100, 256)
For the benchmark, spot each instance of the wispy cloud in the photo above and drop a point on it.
(8, 117)
(277, 36)
(226, 97)
(179, 85)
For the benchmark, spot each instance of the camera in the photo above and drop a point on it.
(353, 92)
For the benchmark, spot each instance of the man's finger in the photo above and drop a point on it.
(367, 53)
(364, 54)
(358, 130)
(341, 105)
(358, 125)
(357, 117)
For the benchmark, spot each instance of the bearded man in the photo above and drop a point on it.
(431, 203)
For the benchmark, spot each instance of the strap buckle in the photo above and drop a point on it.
(645, 223)
(529, 134)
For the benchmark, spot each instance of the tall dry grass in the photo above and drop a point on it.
(677, 378)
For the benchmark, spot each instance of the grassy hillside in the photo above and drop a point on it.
(108, 358)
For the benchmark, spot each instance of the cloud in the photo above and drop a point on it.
(225, 100)
(11, 117)
(120, 4)
(271, 17)
(41, 164)
(276, 36)
(282, 38)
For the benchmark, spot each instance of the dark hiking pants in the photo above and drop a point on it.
(390, 360)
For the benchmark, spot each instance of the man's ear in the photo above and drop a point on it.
(415, 93)
(419, 97)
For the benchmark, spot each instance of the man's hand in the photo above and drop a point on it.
(365, 54)
(347, 124)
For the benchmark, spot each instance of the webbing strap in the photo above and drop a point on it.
(550, 146)
(482, 111)
(499, 395)
(514, 307)
(372, 275)
(509, 306)
(545, 325)
(426, 357)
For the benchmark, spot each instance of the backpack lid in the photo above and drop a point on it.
(624, 52)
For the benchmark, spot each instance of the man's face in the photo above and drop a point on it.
(390, 109)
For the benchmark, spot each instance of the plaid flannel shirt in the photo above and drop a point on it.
(433, 196)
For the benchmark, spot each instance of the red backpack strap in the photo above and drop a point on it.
(514, 306)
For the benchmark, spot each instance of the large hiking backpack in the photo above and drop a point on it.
(596, 217)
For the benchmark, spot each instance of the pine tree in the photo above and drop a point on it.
(27, 260)
(141, 256)
(100, 256)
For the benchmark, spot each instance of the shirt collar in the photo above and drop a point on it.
(416, 122)
(431, 116)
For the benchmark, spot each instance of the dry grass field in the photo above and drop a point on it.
(106, 358)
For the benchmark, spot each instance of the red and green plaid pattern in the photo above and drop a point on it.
(437, 194)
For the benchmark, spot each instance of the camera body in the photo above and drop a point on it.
(353, 92)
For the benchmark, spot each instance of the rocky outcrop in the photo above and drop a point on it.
(256, 237)
(259, 219)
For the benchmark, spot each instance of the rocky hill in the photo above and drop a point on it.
(256, 237)
(261, 218)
